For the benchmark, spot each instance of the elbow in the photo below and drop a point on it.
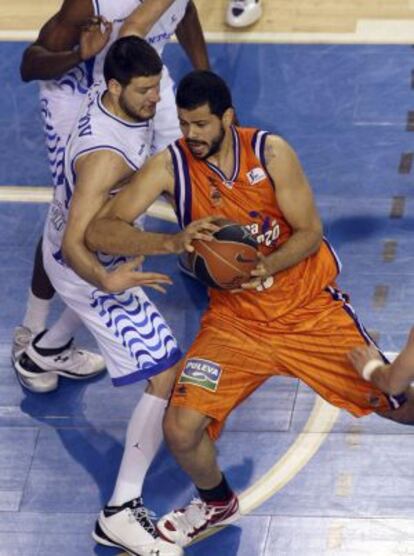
(316, 239)
(25, 73)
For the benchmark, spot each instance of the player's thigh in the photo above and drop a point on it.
(319, 357)
(222, 368)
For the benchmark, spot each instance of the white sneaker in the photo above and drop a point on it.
(130, 527)
(40, 383)
(21, 340)
(66, 361)
(242, 13)
(183, 526)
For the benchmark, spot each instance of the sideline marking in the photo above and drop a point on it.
(23, 194)
(368, 31)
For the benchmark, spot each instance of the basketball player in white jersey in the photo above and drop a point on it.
(109, 142)
(68, 58)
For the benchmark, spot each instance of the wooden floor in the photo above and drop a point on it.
(280, 16)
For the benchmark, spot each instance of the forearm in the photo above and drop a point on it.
(40, 63)
(116, 237)
(298, 247)
(85, 264)
(190, 36)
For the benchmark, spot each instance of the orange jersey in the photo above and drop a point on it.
(248, 197)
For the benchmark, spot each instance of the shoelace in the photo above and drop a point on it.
(195, 516)
(145, 518)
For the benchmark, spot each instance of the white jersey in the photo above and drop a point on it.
(61, 98)
(132, 335)
(96, 129)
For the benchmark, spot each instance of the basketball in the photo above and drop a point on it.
(225, 262)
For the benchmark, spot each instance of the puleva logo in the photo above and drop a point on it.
(256, 175)
(201, 372)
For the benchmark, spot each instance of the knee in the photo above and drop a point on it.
(181, 432)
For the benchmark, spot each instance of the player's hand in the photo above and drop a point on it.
(361, 355)
(261, 276)
(94, 37)
(128, 275)
(198, 229)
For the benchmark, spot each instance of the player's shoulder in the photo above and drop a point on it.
(275, 146)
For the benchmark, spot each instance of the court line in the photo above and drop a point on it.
(26, 194)
(368, 31)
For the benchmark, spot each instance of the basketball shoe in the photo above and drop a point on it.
(242, 13)
(182, 526)
(130, 527)
(37, 368)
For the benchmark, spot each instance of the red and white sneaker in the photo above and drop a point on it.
(182, 526)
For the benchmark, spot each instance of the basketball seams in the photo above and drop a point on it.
(224, 260)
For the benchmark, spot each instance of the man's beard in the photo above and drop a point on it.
(214, 147)
(131, 113)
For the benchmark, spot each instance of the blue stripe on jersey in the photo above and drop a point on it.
(182, 186)
(110, 115)
(394, 401)
(96, 7)
(334, 255)
(258, 144)
(236, 157)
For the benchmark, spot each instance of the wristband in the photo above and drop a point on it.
(370, 368)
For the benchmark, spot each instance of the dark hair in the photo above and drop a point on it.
(204, 87)
(131, 57)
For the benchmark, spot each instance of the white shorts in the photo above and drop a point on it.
(166, 125)
(132, 335)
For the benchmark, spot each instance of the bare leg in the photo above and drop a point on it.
(185, 433)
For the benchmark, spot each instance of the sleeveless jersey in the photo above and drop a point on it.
(96, 129)
(61, 98)
(248, 196)
(77, 80)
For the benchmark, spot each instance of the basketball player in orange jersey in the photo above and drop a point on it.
(394, 378)
(289, 319)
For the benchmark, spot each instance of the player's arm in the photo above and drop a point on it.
(112, 229)
(190, 35)
(54, 52)
(295, 199)
(144, 17)
(393, 379)
(98, 173)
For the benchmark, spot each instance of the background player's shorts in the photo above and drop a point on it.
(132, 335)
(231, 357)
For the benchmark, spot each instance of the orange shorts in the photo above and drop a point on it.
(231, 357)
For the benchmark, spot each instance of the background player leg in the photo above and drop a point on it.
(37, 309)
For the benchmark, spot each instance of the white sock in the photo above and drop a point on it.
(37, 311)
(143, 439)
(62, 331)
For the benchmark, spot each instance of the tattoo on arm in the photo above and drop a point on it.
(169, 166)
(270, 150)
